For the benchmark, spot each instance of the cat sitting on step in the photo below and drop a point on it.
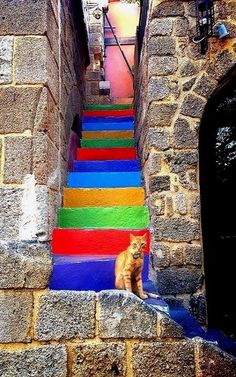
(129, 265)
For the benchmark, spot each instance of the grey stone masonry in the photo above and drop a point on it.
(45, 361)
(6, 62)
(66, 314)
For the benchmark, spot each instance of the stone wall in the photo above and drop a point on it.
(173, 84)
(41, 91)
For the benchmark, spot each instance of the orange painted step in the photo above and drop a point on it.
(109, 113)
(94, 242)
(106, 154)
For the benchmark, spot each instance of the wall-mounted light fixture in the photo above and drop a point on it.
(221, 30)
(205, 23)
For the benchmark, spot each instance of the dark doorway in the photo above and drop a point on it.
(218, 201)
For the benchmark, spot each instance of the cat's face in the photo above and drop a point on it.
(137, 245)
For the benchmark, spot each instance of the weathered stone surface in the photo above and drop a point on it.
(161, 46)
(18, 19)
(66, 314)
(15, 316)
(193, 255)
(177, 256)
(18, 158)
(10, 212)
(162, 65)
(24, 265)
(195, 206)
(154, 162)
(198, 307)
(158, 88)
(160, 256)
(187, 85)
(158, 138)
(222, 63)
(187, 68)
(167, 328)
(157, 204)
(181, 161)
(192, 106)
(160, 114)
(184, 136)
(163, 359)
(166, 8)
(171, 281)
(159, 183)
(160, 26)
(213, 362)
(99, 359)
(19, 107)
(176, 229)
(48, 361)
(205, 86)
(169, 206)
(6, 54)
(124, 315)
(181, 27)
(181, 204)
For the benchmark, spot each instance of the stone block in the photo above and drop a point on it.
(177, 256)
(205, 86)
(192, 106)
(171, 281)
(187, 85)
(158, 138)
(24, 265)
(181, 27)
(181, 204)
(182, 161)
(99, 359)
(161, 27)
(18, 158)
(21, 20)
(176, 229)
(187, 68)
(123, 315)
(169, 328)
(154, 162)
(159, 183)
(161, 46)
(213, 362)
(193, 255)
(6, 59)
(19, 106)
(15, 316)
(158, 88)
(10, 212)
(50, 361)
(167, 8)
(198, 307)
(223, 62)
(184, 136)
(66, 314)
(160, 256)
(162, 65)
(195, 206)
(157, 204)
(163, 359)
(160, 114)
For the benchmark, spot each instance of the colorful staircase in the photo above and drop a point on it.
(103, 203)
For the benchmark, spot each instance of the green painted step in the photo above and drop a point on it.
(107, 143)
(109, 107)
(135, 217)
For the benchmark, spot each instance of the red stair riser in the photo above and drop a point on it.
(109, 113)
(106, 154)
(93, 242)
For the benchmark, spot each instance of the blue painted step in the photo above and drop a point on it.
(104, 126)
(107, 166)
(82, 273)
(90, 119)
(101, 179)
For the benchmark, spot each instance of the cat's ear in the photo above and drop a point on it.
(144, 237)
(132, 237)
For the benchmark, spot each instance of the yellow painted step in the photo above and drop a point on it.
(103, 197)
(107, 134)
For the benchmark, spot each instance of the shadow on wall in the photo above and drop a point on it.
(73, 142)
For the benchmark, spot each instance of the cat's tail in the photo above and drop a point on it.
(152, 295)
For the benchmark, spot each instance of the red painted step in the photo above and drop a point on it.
(111, 113)
(106, 154)
(93, 241)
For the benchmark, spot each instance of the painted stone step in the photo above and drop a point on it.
(109, 197)
(107, 119)
(108, 126)
(104, 113)
(107, 217)
(94, 242)
(105, 166)
(106, 154)
(109, 107)
(106, 143)
(83, 273)
(104, 179)
(107, 134)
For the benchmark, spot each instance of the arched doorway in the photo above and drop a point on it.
(218, 202)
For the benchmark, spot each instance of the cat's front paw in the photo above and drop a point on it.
(143, 296)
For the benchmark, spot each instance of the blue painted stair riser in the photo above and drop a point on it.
(101, 179)
(107, 166)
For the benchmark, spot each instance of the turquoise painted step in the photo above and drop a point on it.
(104, 179)
(100, 217)
(107, 143)
(109, 107)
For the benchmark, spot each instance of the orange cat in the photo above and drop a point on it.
(129, 265)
